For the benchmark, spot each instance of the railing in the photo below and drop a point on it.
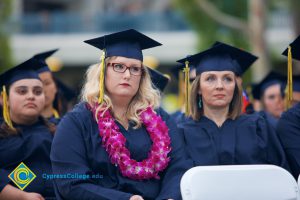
(59, 22)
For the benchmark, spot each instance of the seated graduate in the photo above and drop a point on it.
(270, 92)
(24, 135)
(244, 65)
(288, 127)
(216, 133)
(118, 131)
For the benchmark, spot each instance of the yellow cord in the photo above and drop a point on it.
(6, 109)
(101, 78)
(186, 71)
(181, 83)
(55, 113)
(289, 78)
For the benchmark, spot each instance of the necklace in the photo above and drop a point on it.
(114, 143)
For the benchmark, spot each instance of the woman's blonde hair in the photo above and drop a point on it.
(235, 106)
(146, 95)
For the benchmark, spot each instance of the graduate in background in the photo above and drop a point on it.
(50, 87)
(25, 136)
(57, 94)
(270, 92)
(216, 133)
(288, 127)
(119, 131)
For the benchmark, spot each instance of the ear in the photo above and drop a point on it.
(199, 91)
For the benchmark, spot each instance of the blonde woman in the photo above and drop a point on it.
(117, 140)
(216, 133)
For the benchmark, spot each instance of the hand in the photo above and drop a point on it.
(10, 192)
(32, 196)
(136, 197)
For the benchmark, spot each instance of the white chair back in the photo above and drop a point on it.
(239, 182)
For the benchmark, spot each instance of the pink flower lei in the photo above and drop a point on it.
(114, 143)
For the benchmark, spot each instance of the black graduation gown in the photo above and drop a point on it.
(269, 118)
(32, 147)
(77, 148)
(288, 130)
(178, 116)
(246, 140)
(54, 120)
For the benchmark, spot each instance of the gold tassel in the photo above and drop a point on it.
(6, 110)
(186, 71)
(181, 90)
(101, 79)
(55, 113)
(289, 78)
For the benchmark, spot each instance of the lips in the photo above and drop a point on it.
(30, 105)
(219, 95)
(125, 84)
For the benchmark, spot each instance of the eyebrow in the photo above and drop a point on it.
(221, 75)
(23, 87)
(122, 62)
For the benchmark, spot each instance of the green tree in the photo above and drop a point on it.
(241, 23)
(5, 53)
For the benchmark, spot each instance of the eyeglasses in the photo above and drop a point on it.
(121, 68)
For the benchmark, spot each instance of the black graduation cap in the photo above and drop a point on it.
(220, 57)
(128, 43)
(272, 78)
(295, 48)
(244, 58)
(25, 70)
(41, 57)
(159, 80)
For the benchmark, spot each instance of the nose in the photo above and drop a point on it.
(219, 84)
(30, 95)
(126, 74)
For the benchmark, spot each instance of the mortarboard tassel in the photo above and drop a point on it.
(5, 109)
(101, 78)
(186, 71)
(289, 78)
(55, 113)
(181, 89)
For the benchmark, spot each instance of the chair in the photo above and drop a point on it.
(239, 182)
(298, 181)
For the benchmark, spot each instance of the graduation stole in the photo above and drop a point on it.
(114, 143)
